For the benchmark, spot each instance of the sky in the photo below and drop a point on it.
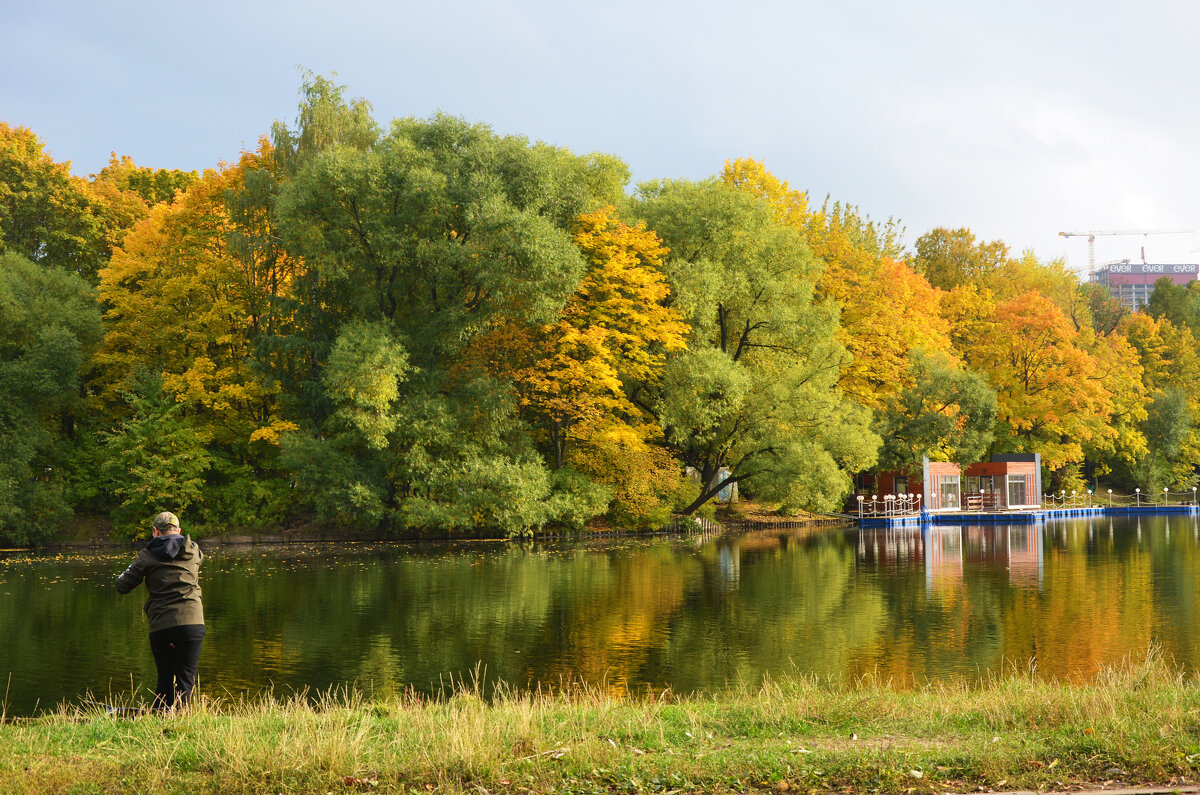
(1018, 120)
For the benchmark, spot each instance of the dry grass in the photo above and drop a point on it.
(1138, 722)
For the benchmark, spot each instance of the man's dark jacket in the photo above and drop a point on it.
(170, 565)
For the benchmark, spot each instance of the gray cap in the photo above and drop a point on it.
(165, 521)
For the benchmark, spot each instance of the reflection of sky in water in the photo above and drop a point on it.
(904, 605)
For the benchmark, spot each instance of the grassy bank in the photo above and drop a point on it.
(1138, 723)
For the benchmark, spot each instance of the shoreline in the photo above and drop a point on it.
(720, 525)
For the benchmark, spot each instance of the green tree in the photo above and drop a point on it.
(1168, 427)
(49, 326)
(886, 309)
(947, 414)
(1177, 303)
(1106, 312)
(756, 391)
(437, 234)
(157, 458)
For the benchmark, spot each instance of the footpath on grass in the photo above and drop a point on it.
(1133, 728)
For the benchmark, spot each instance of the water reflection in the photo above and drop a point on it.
(906, 605)
(945, 551)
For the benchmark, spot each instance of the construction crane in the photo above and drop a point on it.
(1091, 236)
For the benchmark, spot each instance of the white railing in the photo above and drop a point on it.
(889, 505)
(1108, 498)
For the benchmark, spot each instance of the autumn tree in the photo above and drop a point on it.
(46, 214)
(949, 258)
(887, 310)
(1171, 374)
(211, 303)
(611, 340)
(1120, 373)
(1050, 397)
(122, 194)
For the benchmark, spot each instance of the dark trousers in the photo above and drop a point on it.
(176, 653)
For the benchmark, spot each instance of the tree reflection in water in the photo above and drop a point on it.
(906, 605)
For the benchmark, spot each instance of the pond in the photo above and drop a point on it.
(909, 606)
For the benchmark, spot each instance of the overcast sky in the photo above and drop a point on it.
(1018, 119)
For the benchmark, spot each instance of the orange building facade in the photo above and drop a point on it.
(1007, 482)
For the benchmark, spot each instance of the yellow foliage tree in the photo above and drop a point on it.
(612, 337)
(124, 192)
(186, 307)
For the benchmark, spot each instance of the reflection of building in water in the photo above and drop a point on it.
(945, 550)
(730, 565)
(943, 557)
(890, 547)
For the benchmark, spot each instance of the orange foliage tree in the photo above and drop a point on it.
(1051, 396)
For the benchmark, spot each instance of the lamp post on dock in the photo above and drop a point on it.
(860, 507)
(1166, 497)
(1089, 498)
(1138, 492)
(1110, 498)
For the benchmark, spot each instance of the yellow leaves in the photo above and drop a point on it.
(271, 433)
(184, 305)
(624, 292)
(746, 173)
(617, 327)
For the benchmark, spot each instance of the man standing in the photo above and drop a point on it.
(170, 565)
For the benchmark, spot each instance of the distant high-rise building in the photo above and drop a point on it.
(1132, 284)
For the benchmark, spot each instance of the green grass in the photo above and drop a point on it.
(1138, 723)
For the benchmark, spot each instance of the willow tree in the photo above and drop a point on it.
(427, 240)
(756, 391)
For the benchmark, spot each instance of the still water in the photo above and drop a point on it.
(906, 605)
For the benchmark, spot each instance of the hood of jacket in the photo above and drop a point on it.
(172, 546)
